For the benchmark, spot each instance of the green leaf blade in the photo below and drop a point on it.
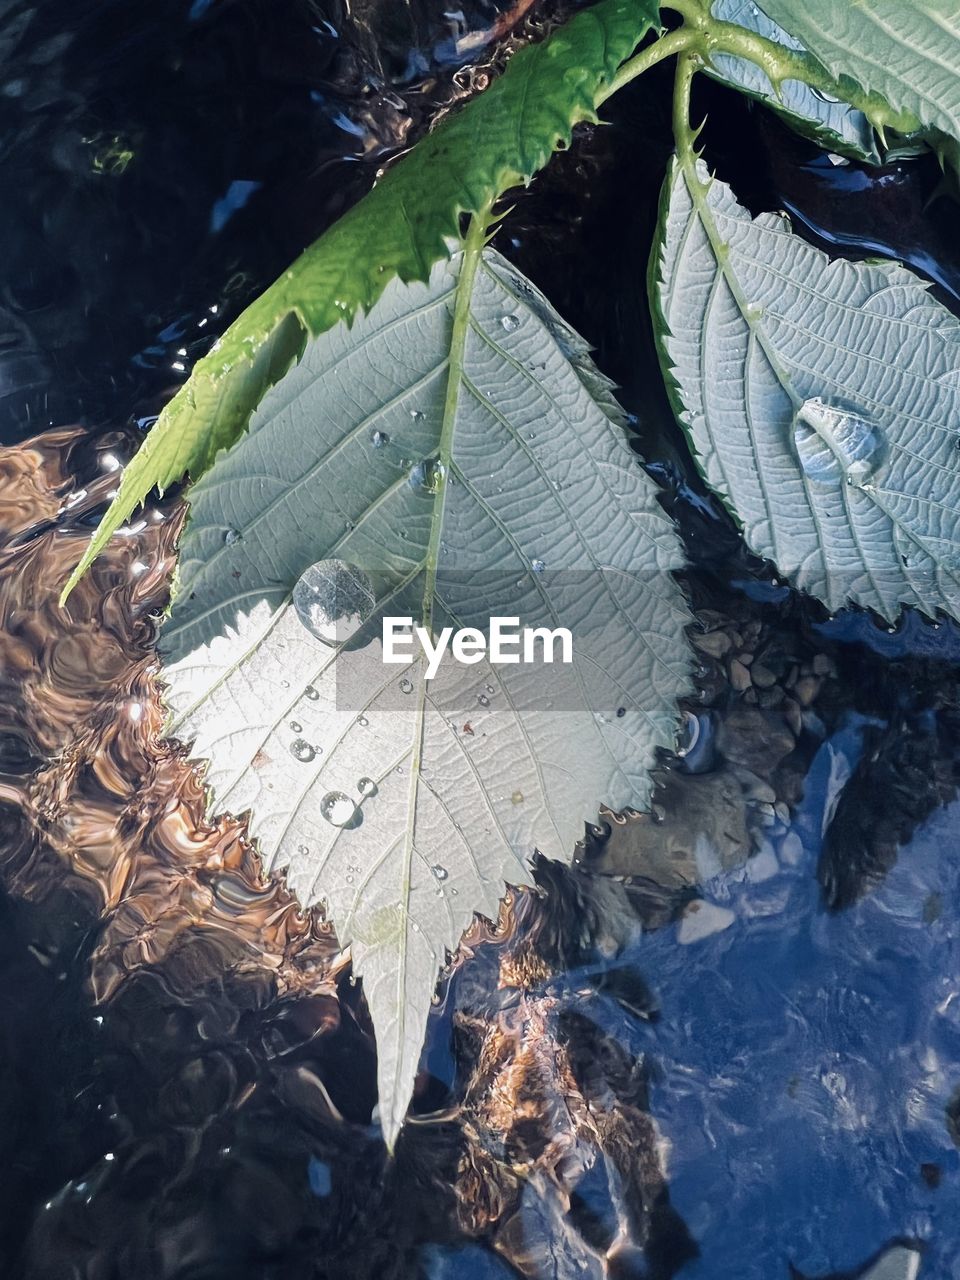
(543, 514)
(408, 222)
(756, 329)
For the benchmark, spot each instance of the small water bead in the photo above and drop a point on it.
(338, 809)
(301, 750)
(439, 872)
(379, 439)
(417, 415)
(489, 688)
(406, 686)
(333, 600)
(297, 728)
(834, 444)
(367, 787)
(517, 798)
(483, 700)
(510, 323)
(231, 536)
(537, 566)
(311, 693)
(688, 735)
(362, 721)
(426, 476)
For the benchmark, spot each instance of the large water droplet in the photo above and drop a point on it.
(425, 476)
(510, 322)
(333, 600)
(338, 809)
(301, 750)
(834, 444)
(231, 536)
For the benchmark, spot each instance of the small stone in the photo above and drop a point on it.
(746, 656)
(793, 716)
(806, 690)
(823, 665)
(702, 919)
(716, 644)
(762, 676)
(739, 675)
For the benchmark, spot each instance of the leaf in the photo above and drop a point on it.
(908, 51)
(833, 124)
(458, 447)
(821, 397)
(498, 140)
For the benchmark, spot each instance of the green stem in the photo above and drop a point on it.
(688, 64)
(665, 47)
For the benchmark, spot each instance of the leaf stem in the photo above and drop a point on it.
(665, 47)
(688, 64)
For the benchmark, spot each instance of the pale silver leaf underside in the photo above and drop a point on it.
(546, 516)
(765, 335)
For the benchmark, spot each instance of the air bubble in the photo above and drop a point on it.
(301, 750)
(510, 323)
(333, 600)
(338, 809)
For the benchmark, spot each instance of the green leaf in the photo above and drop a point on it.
(908, 51)
(833, 124)
(400, 229)
(821, 397)
(458, 448)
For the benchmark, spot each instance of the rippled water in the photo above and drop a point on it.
(724, 1045)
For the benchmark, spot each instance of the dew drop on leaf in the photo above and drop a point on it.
(379, 439)
(367, 787)
(483, 700)
(311, 693)
(440, 872)
(517, 798)
(537, 566)
(362, 721)
(338, 809)
(231, 536)
(297, 728)
(510, 323)
(406, 686)
(333, 600)
(832, 443)
(425, 476)
(417, 415)
(301, 750)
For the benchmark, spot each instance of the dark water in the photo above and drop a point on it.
(728, 1042)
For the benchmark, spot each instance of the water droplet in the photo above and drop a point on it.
(483, 700)
(833, 443)
(621, 712)
(338, 809)
(489, 688)
(297, 728)
(417, 415)
(333, 600)
(367, 787)
(510, 323)
(379, 439)
(688, 735)
(406, 686)
(425, 476)
(301, 750)
(311, 693)
(517, 798)
(231, 536)
(441, 873)
(362, 721)
(537, 566)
